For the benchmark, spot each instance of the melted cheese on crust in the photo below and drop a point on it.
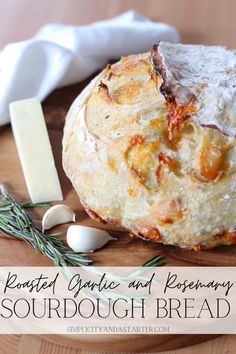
(118, 155)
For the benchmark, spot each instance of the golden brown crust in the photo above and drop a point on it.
(118, 154)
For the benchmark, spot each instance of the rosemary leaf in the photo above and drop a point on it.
(29, 204)
(156, 261)
(5, 206)
(15, 221)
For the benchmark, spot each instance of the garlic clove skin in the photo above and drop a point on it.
(56, 215)
(86, 239)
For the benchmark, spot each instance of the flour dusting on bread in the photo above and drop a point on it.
(140, 156)
(203, 76)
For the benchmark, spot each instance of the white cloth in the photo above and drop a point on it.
(60, 55)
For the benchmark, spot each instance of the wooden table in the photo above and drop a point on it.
(199, 21)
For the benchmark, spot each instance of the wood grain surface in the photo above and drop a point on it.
(199, 21)
(124, 251)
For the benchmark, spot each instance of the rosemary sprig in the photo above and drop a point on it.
(156, 261)
(15, 221)
(5, 206)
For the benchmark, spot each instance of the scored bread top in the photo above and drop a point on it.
(172, 183)
(203, 77)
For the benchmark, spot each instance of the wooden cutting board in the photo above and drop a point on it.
(123, 252)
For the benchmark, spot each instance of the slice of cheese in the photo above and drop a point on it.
(34, 149)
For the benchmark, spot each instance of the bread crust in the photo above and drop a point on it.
(127, 171)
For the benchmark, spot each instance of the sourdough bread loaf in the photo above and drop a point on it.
(150, 148)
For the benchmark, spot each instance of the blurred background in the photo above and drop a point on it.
(199, 21)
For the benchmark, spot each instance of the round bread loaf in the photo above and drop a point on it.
(127, 171)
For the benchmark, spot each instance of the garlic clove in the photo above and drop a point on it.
(86, 239)
(56, 215)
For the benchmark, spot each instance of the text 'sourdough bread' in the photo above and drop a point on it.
(149, 145)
